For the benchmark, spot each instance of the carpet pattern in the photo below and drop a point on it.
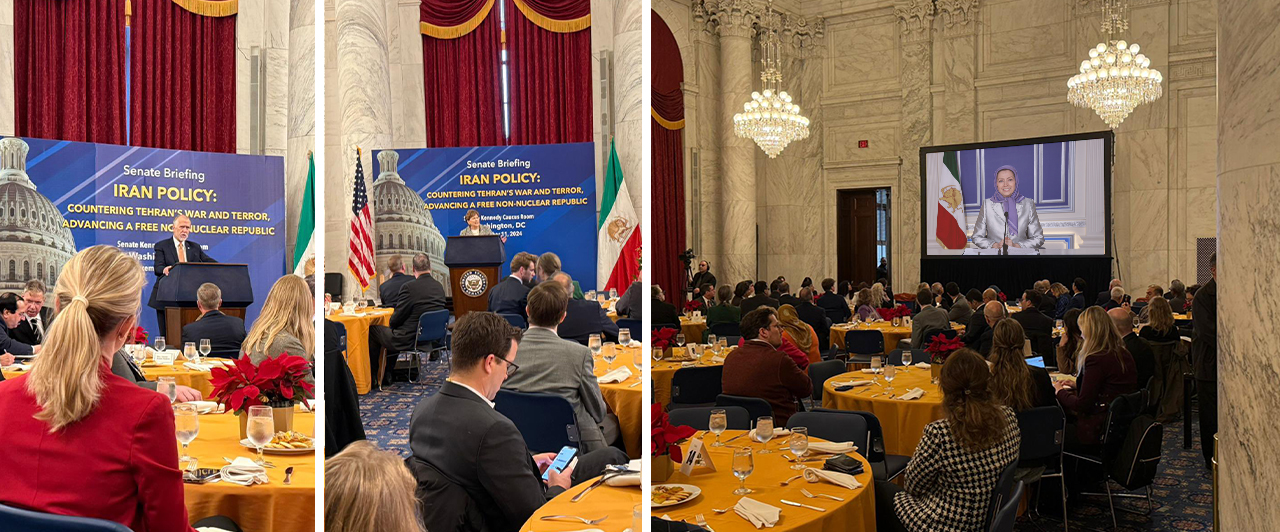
(386, 414)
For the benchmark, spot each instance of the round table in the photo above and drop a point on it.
(891, 333)
(358, 342)
(625, 398)
(270, 507)
(199, 380)
(693, 327)
(856, 514)
(618, 503)
(902, 421)
(662, 372)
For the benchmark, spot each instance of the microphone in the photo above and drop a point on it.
(1004, 241)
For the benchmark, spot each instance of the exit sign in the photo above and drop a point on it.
(863, 144)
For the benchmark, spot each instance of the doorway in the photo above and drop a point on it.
(862, 234)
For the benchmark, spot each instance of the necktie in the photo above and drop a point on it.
(35, 326)
(182, 252)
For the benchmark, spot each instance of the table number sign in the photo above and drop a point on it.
(696, 458)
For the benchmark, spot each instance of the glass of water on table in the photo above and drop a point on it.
(718, 423)
(260, 429)
(186, 422)
(764, 433)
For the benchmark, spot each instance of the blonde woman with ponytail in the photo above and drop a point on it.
(285, 324)
(1107, 371)
(367, 489)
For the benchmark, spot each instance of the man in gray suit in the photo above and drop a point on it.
(961, 310)
(929, 321)
(552, 365)
(123, 366)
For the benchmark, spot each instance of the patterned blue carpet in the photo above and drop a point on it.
(386, 415)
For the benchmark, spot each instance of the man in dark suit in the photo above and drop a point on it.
(814, 317)
(1144, 359)
(1036, 325)
(1105, 295)
(1118, 299)
(706, 294)
(761, 299)
(832, 303)
(509, 296)
(584, 318)
(663, 312)
(1177, 296)
(978, 324)
(931, 320)
(629, 303)
(169, 253)
(1048, 303)
(458, 431)
(759, 369)
(225, 333)
(390, 289)
(991, 314)
(1077, 294)
(1204, 357)
(36, 318)
(420, 296)
(12, 311)
(784, 295)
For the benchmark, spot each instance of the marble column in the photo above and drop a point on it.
(734, 20)
(956, 117)
(808, 228)
(1249, 209)
(630, 116)
(915, 19)
(301, 116)
(702, 133)
(8, 123)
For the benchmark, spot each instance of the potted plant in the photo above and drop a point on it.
(139, 336)
(665, 444)
(664, 339)
(279, 382)
(941, 347)
(692, 305)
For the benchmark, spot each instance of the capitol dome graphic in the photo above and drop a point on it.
(401, 224)
(34, 243)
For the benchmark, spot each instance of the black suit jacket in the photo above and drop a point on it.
(584, 318)
(482, 451)
(1077, 301)
(1144, 358)
(631, 303)
(816, 318)
(390, 289)
(419, 296)
(509, 297)
(27, 335)
(788, 299)
(977, 326)
(1204, 322)
(9, 345)
(759, 300)
(664, 312)
(167, 255)
(1048, 304)
(1034, 322)
(835, 307)
(225, 333)
(342, 415)
(1103, 297)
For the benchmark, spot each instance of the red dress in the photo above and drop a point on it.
(119, 463)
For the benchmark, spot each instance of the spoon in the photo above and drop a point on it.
(288, 475)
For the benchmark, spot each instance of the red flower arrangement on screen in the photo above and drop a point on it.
(139, 335)
(941, 347)
(693, 305)
(275, 380)
(666, 437)
(663, 338)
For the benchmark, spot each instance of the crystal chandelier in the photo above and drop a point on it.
(770, 119)
(1115, 78)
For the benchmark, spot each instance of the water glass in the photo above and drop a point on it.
(613, 293)
(719, 422)
(764, 432)
(189, 351)
(637, 518)
(906, 359)
(261, 428)
(799, 443)
(624, 336)
(594, 343)
(186, 423)
(680, 339)
(715, 348)
(724, 344)
(876, 365)
(138, 353)
(610, 351)
(657, 354)
(743, 465)
(160, 343)
(166, 386)
(637, 358)
(889, 372)
(206, 347)
(590, 295)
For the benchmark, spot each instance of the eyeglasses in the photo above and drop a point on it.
(511, 366)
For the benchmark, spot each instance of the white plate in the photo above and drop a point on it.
(269, 450)
(693, 490)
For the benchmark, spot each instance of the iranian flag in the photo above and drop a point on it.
(950, 231)
(618, 232)
(304, 244)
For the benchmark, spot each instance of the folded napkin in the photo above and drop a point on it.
(831, 447)
(922, 365)
(197, 367)
(18, 367)
(618, 375)
(717, 359)
(912, 394)
(634, 343)
(869, 370)
(851, 383)
(207, 407)
(835, 477)
(627, 479)
(244, 472)
(688, 364)
(759, 514)
(777, 433)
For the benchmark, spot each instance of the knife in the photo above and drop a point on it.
(597, 484)
(738, 436)
(784, 501)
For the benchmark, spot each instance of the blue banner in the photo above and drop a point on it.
(540, 197)
(87, 194)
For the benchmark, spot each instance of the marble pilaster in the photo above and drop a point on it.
(8, 124)
(1249, 207)
(956, 67)
(734, 20)
(630, 116)
(301, 108)
(915, 19)
(703, 134)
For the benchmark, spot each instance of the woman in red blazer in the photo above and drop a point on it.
(1107, 372)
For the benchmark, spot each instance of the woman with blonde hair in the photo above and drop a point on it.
(1161, 327)
(367, 489)
(880, 299)
(1013, 383)
(1107, 371)
(285, 326)
(799, 333)
(72, 420)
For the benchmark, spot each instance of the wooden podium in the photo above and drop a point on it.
(176, 292)
(475, 267)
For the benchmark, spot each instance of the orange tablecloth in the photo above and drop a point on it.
(902, 421)
(358, 343)
(617, 503)
(662, 373)
(625, 398)
(855, 514)
(692, 328)
(891, 334)
(198, 380)
(271, 507)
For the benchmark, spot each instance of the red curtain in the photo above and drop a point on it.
(461, 56)
(550, 71)
(183, 78)
(69, 70)
(667, 154)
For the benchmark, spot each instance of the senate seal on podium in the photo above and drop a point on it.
(473, 283)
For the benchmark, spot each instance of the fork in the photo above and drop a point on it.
(806, 493)
(575, 518)
(702, 522)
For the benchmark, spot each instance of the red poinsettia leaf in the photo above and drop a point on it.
(676, 454)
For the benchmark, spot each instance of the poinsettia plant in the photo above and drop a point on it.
(895, 312)
(666, 438)
(276, 380)
(693, 305)
(664, 337)
(941, 347)
(1003, 298)
(139, 335)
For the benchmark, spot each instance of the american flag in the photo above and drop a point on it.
(361, 261)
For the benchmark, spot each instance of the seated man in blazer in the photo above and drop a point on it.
(784, 295)
(36, 318)
(929, 321)
(458, 432)
(584, 318)
(389, 291)
(991, 315)
(12, 312)
(225, 333)
(630, 304)
(833, 304)
(761, 299)
(978, 321)
(759, 369)
(419, 296)
(663, 313)
(508, 297)
(169, 253)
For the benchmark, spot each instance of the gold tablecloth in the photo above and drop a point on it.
(271, 507)
(692, 328)
(891, 334)
(663, 372)
(625, 399)
(616, 503)
(856, 514)
(358, 343)
(902, 421)
(198, 380)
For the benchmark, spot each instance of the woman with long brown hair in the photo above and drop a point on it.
(948, 483)
(1161, 327)
(1013, 383)
(1069, 345)
(1107, 371)
(367, 489)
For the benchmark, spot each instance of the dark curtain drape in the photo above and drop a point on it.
(668, 209)
(461, 56)
(550, 71)
(69, 70)
(183, 78)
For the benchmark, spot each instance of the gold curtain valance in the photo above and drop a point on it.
(666, 124)
(210, 8)
(454, 32)
(550, 24)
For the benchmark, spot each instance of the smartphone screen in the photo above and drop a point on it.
(562, 461)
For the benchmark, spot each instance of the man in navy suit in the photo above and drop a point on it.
(510, 296)
(12, 310)
(37, 318)
(170, 252)
(225, 333)
(584, 318)
(390, 289)
(833, 304)
(422, 295)
(1077, 297)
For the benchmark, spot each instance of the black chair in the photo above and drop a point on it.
(432, 330)
(756, 407)
(699, 418)
(16, 520)
(333, 285)
(1007, 517)
(1042, 431)
(546, 421)
(820, 372)
(917, 355)
(722, 330)
(1169, 387)
(1003, 491)
(515, 320)
(1130, 451)
(732, 340)
(862, 344)
(635, 326)
(831, 426)
(883, 466)
(695, 387)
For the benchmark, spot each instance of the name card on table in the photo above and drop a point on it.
(696, 458)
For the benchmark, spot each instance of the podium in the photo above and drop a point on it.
(176, 293)
(475, 265)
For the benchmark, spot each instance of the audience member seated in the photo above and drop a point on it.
(1177, 296)
(1109, 293)
(1013, 383)
(761, 299)
(1048, 302)
(1160, 325)
(285, 326)
(799, 334)
(759, 369)
(225, 333)
(959, 310)
(955, 468)
(12, 312)
(832, 304)
(75, 423)
(1144, 359)
(1107, 371)
(978, 325)
(367, 489)
(585, 318)
(741, 291)
(725, 312)
(940, 296)
(1078, 287)
(662, 312)
(457, 431)
(1069, 344)
(814, 317)
(389, 291)
(929, 321)
(880, 295)
(419, 296)
(508, 297)
(866, 306)
(1062, 300)
(548, 266)
(1034, 323)
(559, 366)
(992, 313)
(707, 296)
(784, 295)
(342, 424)
(629, 303)
(37, 317)
(1118, 299)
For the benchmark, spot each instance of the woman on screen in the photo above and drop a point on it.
(1023, 227)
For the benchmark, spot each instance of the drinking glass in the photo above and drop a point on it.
(138, 353)
(799, 445)
(624, 336)
(613, 293)
(637, 358)
(889, 372)
(260, 429)
(876, 365)
(715, 348)
(186, 422)
(906, 359)
(764, 433)
(610, 351)
(680, 339)
(165, 385)
(719, 422)
(743, 465)
(723, 344)
(637, 518)
(206, 347)
(657, 354)
(594, 344)
(1057, 324)
(591, 295)
(160, 343)
(1135, 321)
(189, 351)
